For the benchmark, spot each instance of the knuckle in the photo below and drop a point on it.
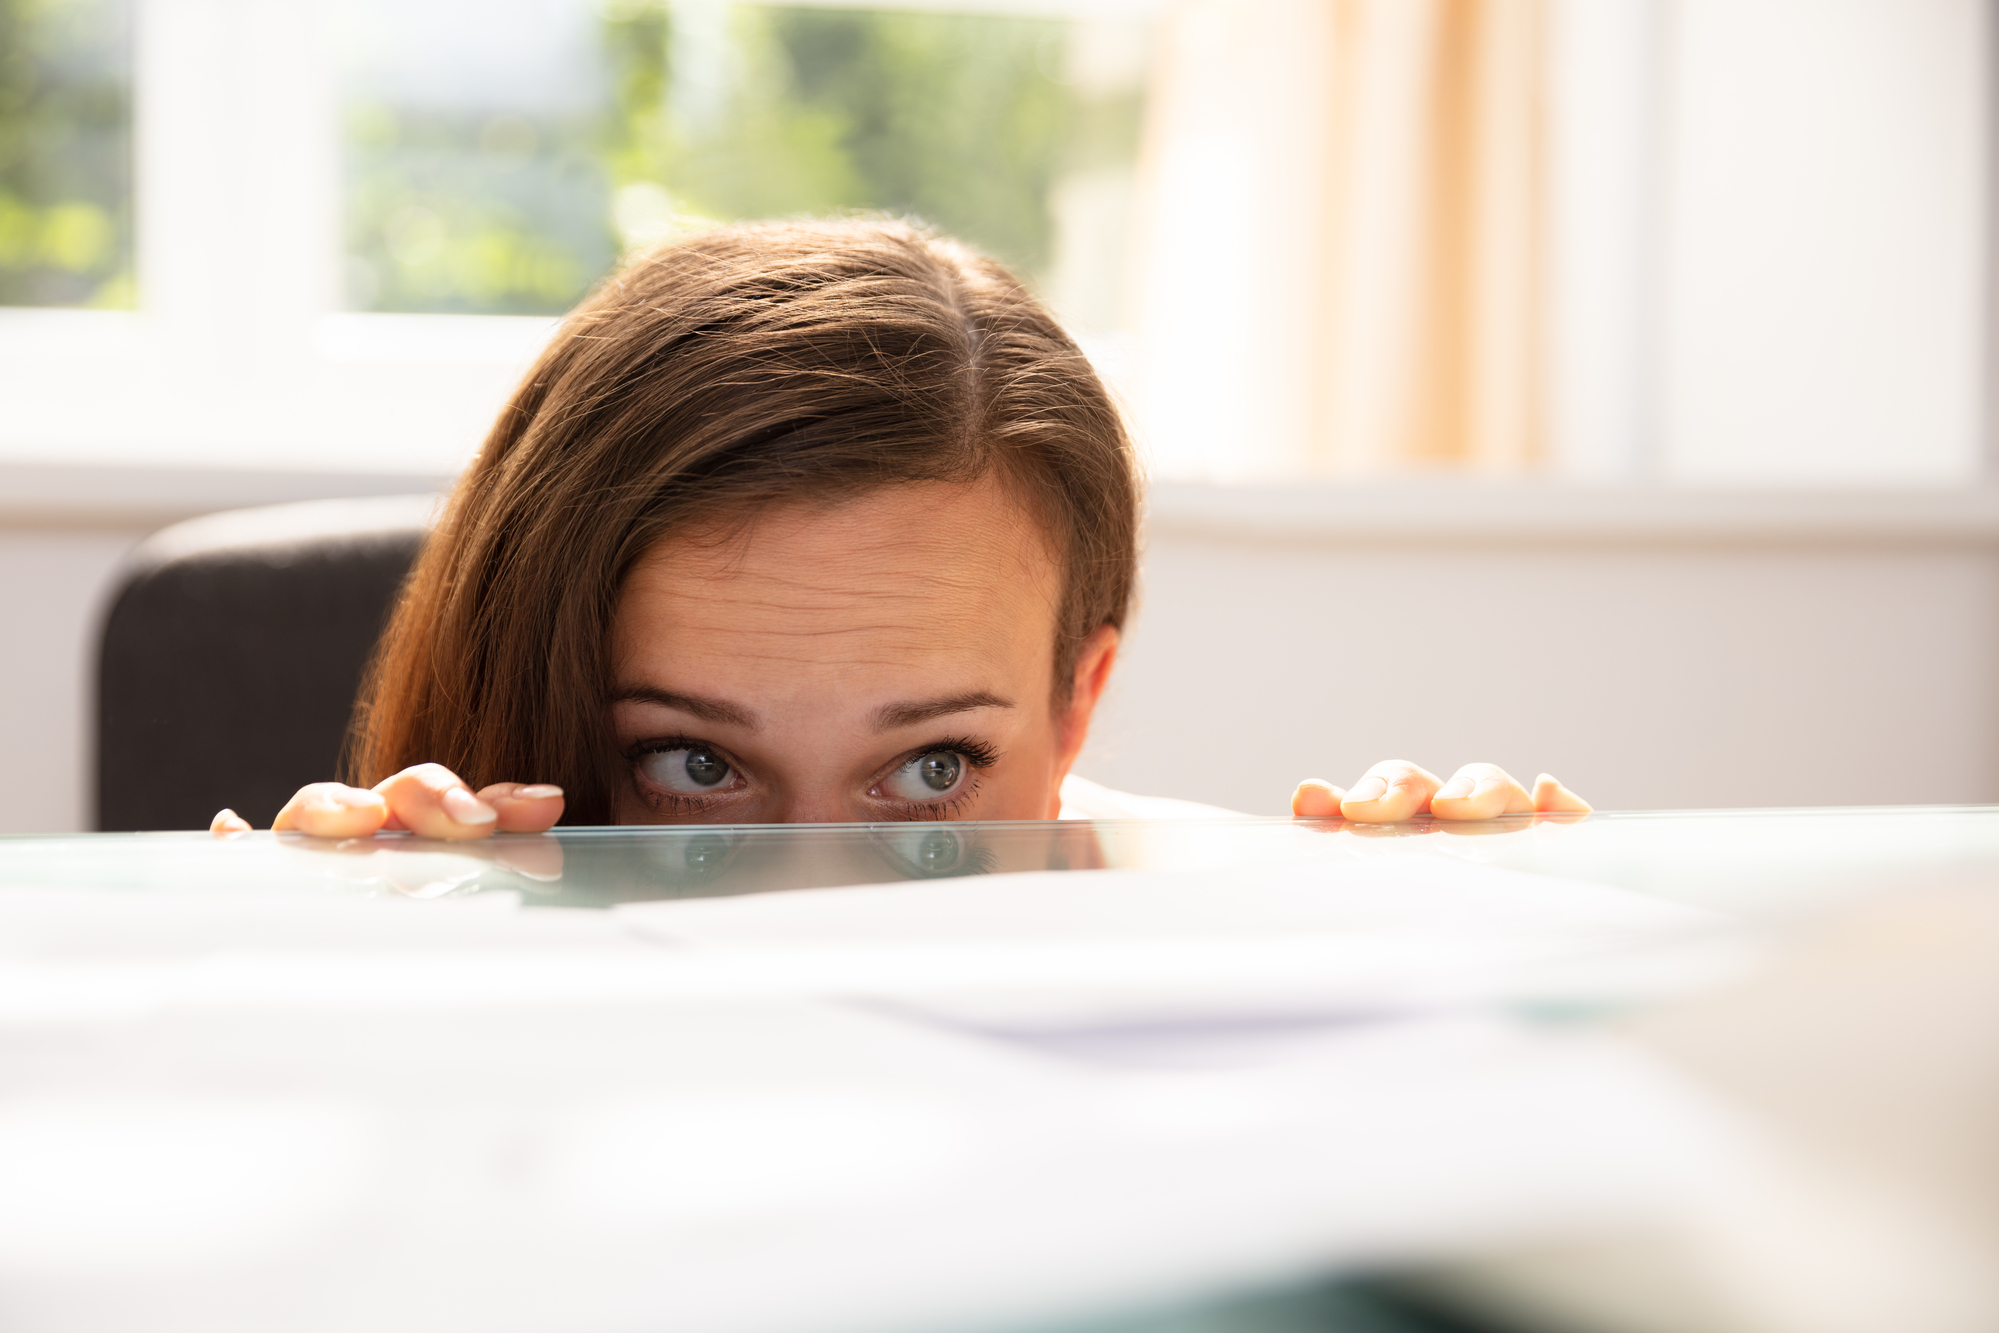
(1410, 777)
(431, 777)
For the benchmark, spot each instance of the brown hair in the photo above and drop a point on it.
(717, 374)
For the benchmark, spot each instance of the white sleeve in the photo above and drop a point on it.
(1084, 799)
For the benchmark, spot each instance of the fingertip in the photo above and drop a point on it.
(465, 808)
(1551, 797)
(342, 812)
(529, 809)
(228, 824)
(351, 798)
(1380, 798)
(431, 802)
(333, 810)
(1368, 790)
(1479, 792)
(1316, 799)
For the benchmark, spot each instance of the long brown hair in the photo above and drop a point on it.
(719, 373)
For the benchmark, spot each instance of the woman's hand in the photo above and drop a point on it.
(1394, 790)
(429, 800)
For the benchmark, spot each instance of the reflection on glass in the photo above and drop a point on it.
(66, 152)
(500, 155)
(680, 867)
(934, 852)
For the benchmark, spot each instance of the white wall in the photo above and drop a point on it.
(1677, 652)
(1826, 241)
(51, 584)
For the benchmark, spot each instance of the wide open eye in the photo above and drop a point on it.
(685, 771)
(927, 777)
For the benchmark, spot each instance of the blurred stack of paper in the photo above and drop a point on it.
(226, 1113)
(1062, 953)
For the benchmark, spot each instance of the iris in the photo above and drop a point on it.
(939, 770)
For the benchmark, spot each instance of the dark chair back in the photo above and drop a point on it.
(232, 653)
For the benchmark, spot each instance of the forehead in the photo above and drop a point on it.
(906, 578)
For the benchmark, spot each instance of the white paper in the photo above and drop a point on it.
(246, 1114)
(1061, 951)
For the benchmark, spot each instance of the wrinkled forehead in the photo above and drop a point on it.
(909, 572)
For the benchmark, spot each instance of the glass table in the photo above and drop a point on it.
(1753, 862)
(1754, 866)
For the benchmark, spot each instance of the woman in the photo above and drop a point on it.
(812, 522)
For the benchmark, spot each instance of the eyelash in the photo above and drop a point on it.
(979, 754)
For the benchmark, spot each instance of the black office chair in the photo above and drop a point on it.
(232, 653)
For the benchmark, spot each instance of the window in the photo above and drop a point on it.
(499, 158)
(353, 224)
(65, 153)
(1715, 241)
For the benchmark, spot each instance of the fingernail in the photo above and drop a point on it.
(354, 797)
(539, 791)
(1454, 790)
(466, 808)
(1368, 789)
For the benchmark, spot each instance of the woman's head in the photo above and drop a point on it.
(780, 492)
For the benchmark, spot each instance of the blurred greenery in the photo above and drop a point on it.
(65, 152)
(711, 111)
(720, 112)
(458, 211)
(959, 119)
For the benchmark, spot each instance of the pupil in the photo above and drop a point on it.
(705, 767)
(939, 770)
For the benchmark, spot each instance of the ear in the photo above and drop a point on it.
(1093, 672)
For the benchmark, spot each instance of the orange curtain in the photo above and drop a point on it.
(1394, 236)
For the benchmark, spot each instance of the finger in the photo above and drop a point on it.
(524, 807)
(1551, 797)
(433, 802)
(227, 824)
(1391, 790)
(1316, 798)
(1480, 791)
(333, 810)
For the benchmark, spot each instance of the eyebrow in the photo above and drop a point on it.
(708, 710)
(890, 716)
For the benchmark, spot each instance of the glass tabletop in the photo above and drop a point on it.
(1753, 863)
(1757, 865)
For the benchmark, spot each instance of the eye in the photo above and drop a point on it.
(688, 770)
(927, 777)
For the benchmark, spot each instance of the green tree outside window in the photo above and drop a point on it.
(65, 153)
(720, 112)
